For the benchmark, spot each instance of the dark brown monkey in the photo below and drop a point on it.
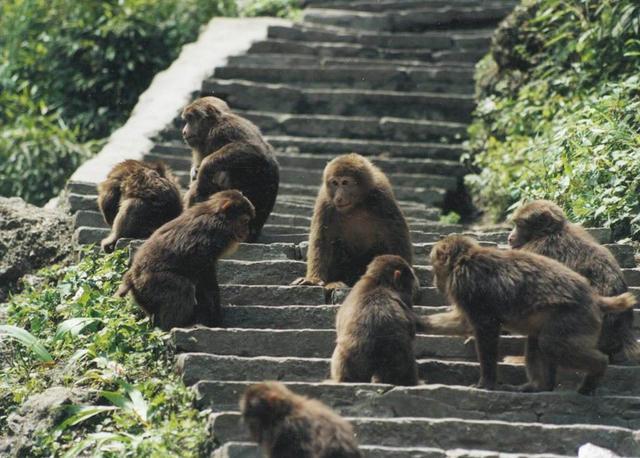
(136, 199)
(229, 152)
(173, 274)
(528, 294)
(376, 327)
(287, 425)
(542, 227)
(356, 218)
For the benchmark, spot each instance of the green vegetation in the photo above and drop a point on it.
(71, 331)
(70, 72)
(559, 112)
(289, 9)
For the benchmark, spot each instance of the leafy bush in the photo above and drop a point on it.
(275, 8)
(103, 345)
(558, 113)
(83, 64)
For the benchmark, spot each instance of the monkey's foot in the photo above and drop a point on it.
(303, 281)
(589, 385)
(484, 384)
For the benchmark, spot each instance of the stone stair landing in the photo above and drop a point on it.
(392, 80)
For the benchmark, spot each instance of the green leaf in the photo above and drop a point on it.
(28, 340)
(74, 326)
(77, 414)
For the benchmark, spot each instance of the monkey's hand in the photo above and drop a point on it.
(336, 285)
(304, 281)
(108, 244)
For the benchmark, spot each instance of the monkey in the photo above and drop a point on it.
(137, 198)
(356, 218)
(376, 326)
(173, 274)
(286, 425)
(555, 307)
(541, 227)
(229, 152)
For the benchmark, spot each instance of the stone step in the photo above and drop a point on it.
(349, 127)
(177, 156)
(317, 343)
(435, 41)
(349, 50)
(458, 80)
(442, 401)
(411, 20)
(195, 367)
(281, 98)
(369, 147)
(503, 436)
(445, 60)
(307, 317)
(235, 449)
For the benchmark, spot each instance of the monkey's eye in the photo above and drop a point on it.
(333, 182)
(345, 183)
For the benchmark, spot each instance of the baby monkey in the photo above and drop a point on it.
(286, 425)
(376, 326)
(528, 294)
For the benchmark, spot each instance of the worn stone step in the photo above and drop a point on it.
(369, 147)
(176, 155)
(246, 95)
(349, 50)
(195, 367)
(457, 80)
(307, 317)
(437, 41)
(350, 127)
(445, 59)
(411, 20)
(249, 450)
(442, 401)
(502, 436)
(395, 5)
(317, 343)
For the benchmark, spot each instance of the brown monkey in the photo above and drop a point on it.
(541, 227)
(532, 295)
(287, 425)
(173, 274)
(136, 199)
(229, 152)
(376, 326)
(356, 218)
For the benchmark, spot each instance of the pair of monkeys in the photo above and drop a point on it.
(557, 286)
(228, 152)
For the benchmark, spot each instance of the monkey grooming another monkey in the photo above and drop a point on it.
(173, 274)
(287, 425)
(376, 327)
(528, 294)
(541, 227)
(137, 198)
(356, 218)
(229, 152)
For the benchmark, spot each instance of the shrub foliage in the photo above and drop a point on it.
(558, 114)
(83, 65)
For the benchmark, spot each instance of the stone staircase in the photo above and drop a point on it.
(391, 79)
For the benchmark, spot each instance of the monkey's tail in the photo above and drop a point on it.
(125, 286)
(452, 322)
(617, 304)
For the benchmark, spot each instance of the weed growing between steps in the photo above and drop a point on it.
(105, 348)
(559, 112)
(289, 9)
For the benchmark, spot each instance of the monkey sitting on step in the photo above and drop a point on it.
(376, 327)
(286, 425)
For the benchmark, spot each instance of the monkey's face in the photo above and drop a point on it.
(518, 236)
(345, 192)
(241, 227)
(196, 127)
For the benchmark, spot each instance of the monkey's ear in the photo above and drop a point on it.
(396, 276)
(549, 219)
(226, 204)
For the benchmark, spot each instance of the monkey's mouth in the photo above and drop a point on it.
(343, 207)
